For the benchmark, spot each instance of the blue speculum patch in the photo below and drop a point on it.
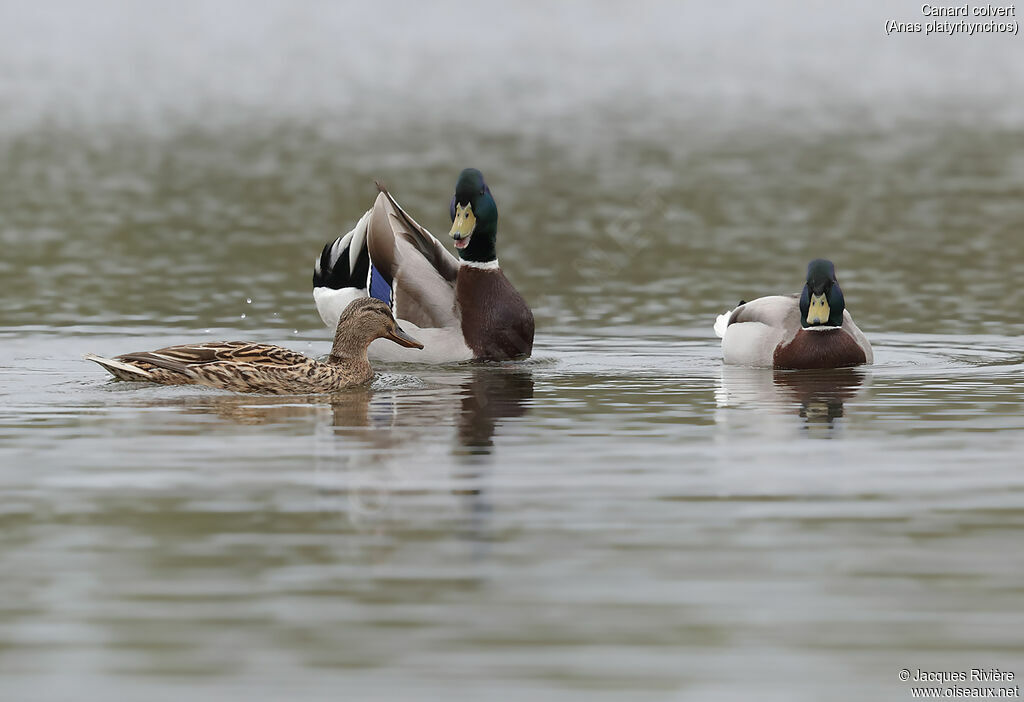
(380, 288)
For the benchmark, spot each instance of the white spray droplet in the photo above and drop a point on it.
(243, 315)
(248, 300)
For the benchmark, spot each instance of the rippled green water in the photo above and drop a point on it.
(619, 517)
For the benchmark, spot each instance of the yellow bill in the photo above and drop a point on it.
(818, 311)
(463, 225)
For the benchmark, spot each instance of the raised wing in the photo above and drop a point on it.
(425, 242)
(417, 265)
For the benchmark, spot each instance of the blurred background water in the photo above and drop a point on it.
(618, 517)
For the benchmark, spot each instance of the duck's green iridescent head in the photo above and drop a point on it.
(821, 302)
(474, 218)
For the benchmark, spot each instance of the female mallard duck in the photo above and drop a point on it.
(246, 367)
(461, 309)
(813, 330)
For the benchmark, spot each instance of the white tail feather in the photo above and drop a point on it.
(722, 323)
(358, 235)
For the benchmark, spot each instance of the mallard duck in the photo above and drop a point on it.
(247, 367)
(810, 330)
(461, 309)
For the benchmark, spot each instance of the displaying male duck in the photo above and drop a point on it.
(812, 330)
(246, 367)
(461, 309)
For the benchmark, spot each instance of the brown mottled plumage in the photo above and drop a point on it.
(248, 367)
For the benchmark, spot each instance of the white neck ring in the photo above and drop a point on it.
(482, 265)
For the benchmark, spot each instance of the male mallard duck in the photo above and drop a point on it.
(812, 330)
(461, 309)
(246, 367)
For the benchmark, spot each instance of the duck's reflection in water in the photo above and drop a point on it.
(348, 408)
(818, 397)
(389, 452)
(401, 444)
(488, 396)
(820, 394)
(476, 406)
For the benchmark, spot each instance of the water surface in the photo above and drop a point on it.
(618, 517)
